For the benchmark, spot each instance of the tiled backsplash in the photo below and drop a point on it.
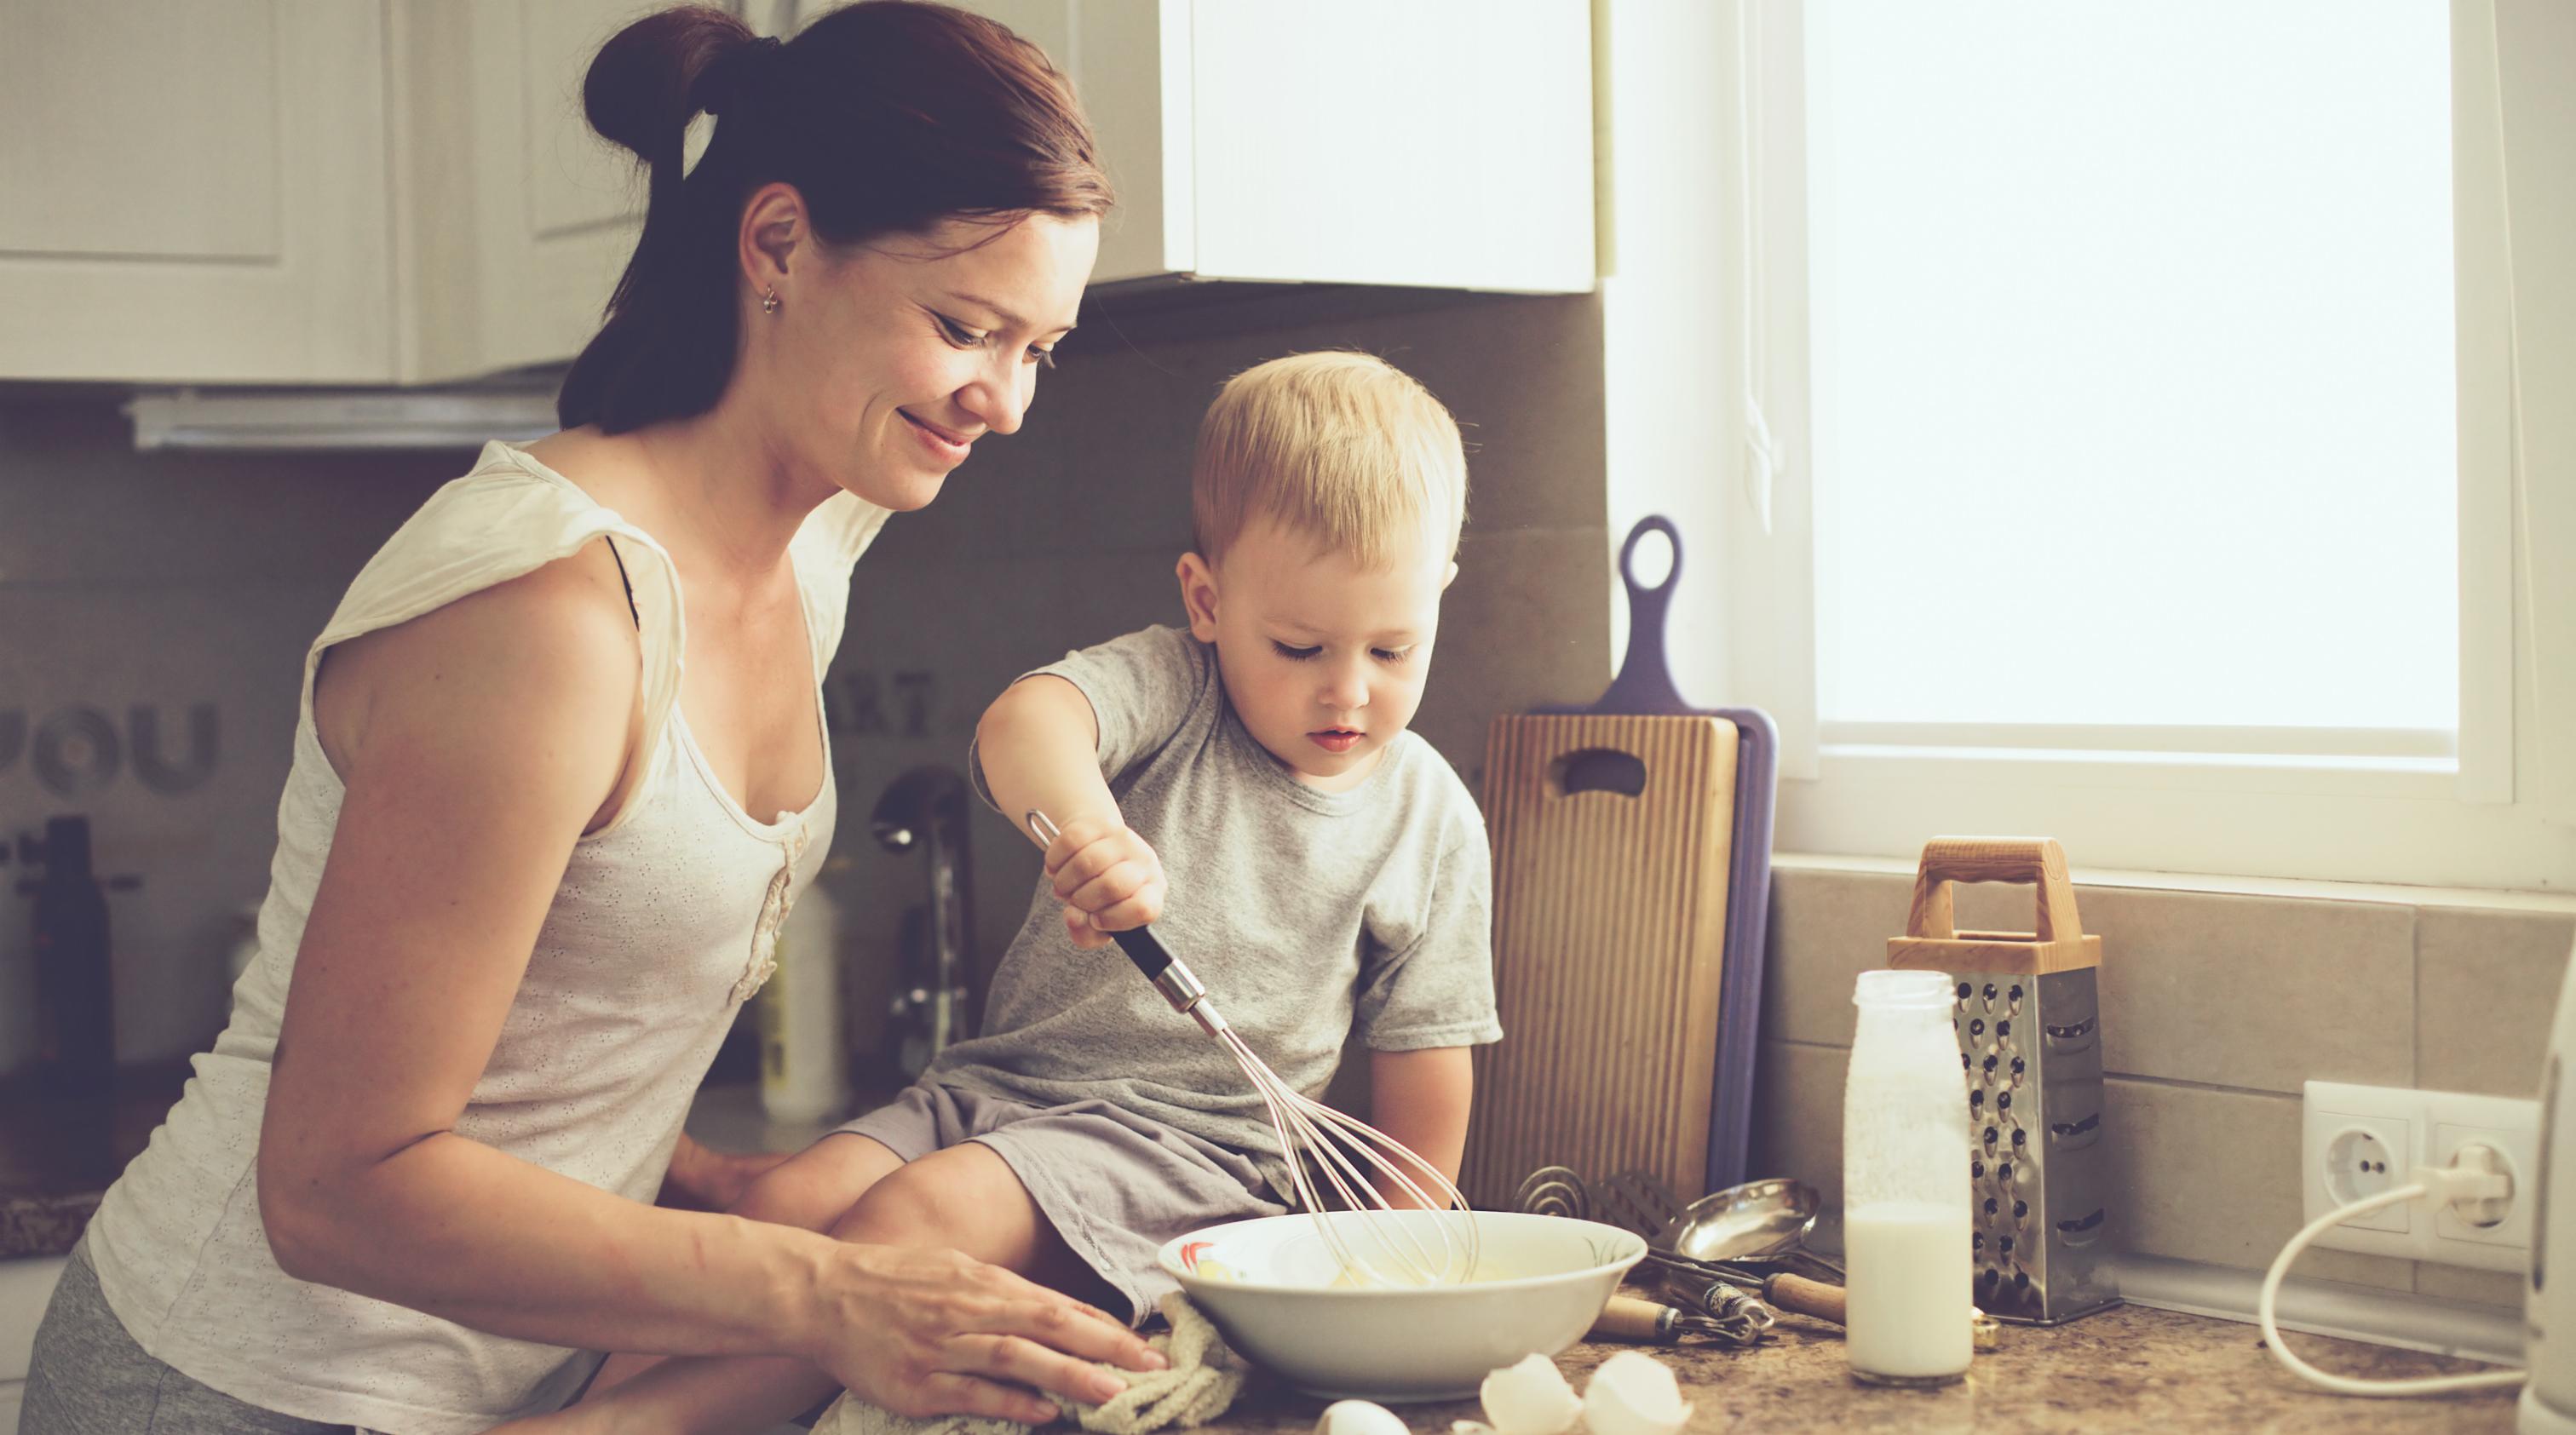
(155, 608)
(2215, 1008)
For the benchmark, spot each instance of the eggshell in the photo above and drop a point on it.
(1530, 1398)
(1358, 1417)
(1634, 1394)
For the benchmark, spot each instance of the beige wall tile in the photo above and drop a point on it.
(2502, 1288)
(1826, 929)
(2486, 987)
(79, 505)
(2213, 1176)
(1798, 1116)
(1521, 628)
(2256, 992)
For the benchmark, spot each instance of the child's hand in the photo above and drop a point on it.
(1107, 878)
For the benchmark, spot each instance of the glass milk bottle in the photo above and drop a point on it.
(1905, 1185)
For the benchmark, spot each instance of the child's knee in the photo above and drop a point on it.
(904, 1209)
(816, 1187)
(965, 1196)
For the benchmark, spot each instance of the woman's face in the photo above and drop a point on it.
(891, 359)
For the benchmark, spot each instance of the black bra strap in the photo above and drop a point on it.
(628, 586)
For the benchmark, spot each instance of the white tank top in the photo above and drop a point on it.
(664, 924)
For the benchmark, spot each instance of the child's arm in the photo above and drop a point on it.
(1038, 746)
(1421, 1098)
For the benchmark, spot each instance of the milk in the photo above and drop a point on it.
(1909, 1293)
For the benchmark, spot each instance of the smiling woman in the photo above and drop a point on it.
(560, 773)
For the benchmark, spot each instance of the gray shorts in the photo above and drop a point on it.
(1114, 1185)
(90, 1378)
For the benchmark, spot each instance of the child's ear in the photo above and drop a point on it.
(1198, 595)
(1452, 578)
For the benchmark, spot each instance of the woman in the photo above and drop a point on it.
(560, 772)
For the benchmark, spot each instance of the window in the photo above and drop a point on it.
(2132, 340)
(2146, 460)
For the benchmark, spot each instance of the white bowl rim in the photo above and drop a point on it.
(1167, 1258)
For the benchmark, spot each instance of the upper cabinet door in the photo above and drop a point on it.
(517, 217)
(1434, 142)
(194, 192)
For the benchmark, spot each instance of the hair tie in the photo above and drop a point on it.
(739, 74)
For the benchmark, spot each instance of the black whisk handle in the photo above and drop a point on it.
(1144, 949)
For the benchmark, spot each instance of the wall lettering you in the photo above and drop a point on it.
(78, 750)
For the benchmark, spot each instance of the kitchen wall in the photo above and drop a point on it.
(153, 611)
(2215, 1008)
(156, 608)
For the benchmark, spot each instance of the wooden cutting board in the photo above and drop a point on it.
(1612, 837)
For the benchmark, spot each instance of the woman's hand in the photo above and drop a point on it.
(934, 1332)
(1107, 877)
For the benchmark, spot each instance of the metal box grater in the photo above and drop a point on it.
(2029, 1020)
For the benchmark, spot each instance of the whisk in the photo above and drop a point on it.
(1314, 1138)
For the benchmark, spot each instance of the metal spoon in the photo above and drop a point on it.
(1754, 1221)
(1756, 1233)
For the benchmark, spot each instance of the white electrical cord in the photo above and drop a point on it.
(2451, 1184)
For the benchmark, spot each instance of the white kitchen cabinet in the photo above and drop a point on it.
(193, 192)
(374, 191)
(1433, 142)
(514, 218)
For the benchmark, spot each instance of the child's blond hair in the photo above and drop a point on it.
(1342, 447)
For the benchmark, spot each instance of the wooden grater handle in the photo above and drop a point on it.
(2036, 860)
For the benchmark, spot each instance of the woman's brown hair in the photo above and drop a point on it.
(888, 116)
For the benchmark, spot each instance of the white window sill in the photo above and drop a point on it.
(2480, 898)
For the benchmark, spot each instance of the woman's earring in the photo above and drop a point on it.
(769, 302)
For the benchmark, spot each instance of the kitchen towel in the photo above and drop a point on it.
(1200, 1384)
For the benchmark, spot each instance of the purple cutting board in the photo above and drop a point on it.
(1644, 688)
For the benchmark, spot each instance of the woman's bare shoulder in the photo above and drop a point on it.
(552, 653)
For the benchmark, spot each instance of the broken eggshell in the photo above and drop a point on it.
(1634, 1394)
(1530, 1398)
(1358, 1417)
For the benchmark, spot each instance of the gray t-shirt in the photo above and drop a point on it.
(1308, 914)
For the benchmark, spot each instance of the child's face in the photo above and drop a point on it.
(1323, 660)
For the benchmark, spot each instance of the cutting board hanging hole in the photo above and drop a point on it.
(1597, 769)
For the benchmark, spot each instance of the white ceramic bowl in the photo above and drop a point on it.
(1539, 1283)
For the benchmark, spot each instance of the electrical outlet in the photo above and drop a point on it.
(2353, 1143)
(2512, 1129)
(2344, 1131)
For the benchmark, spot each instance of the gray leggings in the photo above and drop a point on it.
(90, 1378)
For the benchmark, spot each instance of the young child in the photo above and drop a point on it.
(1247, 786)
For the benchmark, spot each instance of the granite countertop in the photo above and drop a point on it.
(2128, 1368)
(58, 1154)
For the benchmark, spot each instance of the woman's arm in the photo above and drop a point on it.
(475, 745)
(1421, 1099)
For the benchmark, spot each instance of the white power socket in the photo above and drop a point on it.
(2356, 1141)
